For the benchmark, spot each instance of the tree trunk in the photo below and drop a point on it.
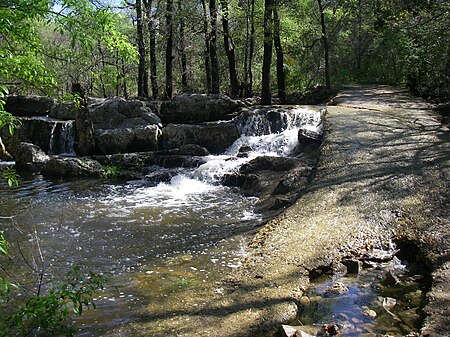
(152, 48)
(83, 123)
(142, 68)
(266, 95)
(207, 52)
(249, 48)
(229, 50)
(169, 50)
(325, 44)
(280, 57)
(215, 81)
(183, 55)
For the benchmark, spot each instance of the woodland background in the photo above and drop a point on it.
(282, 48)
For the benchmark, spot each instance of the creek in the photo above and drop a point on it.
(151, 240)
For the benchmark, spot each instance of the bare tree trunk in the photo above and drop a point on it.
(152, 48)
(207, 52)
(325, 44)
(83, 123)
(215, 81)
(249, 48)
(280, 57)
(183, 55)
(142, 68)
(169, 50)
(124, 76)
(266, 95)
(229, 50)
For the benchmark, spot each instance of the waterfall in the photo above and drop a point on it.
(62, 138)
(264, 132)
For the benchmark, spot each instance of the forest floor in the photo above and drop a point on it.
(383, 175)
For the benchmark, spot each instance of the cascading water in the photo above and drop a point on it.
(265, 132)
(62, 138)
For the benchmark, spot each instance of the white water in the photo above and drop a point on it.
(62, 139)
(271, 132)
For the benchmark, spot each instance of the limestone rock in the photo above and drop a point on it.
(295, 331)
(30, 156)
(122, 140)
(117, 112)
(29, 105)
(216, 137)
(64, 111)
(195, 108)
(72, 167)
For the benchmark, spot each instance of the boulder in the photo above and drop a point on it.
(23, 106)
(30, 157)
(37, 131)
(117, 112)
(216, 137)
(65, 111)
(72, 167)
(51, 135)
(186, 150)
(121, 140)
(195, 108)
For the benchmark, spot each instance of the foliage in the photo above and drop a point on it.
(11, 176)
(6, 119)
(28, 60)
(383, 41)
(111, 171)
(46, 311)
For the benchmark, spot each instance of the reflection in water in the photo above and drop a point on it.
(128, 231)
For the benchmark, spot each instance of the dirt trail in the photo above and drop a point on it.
(384, 173)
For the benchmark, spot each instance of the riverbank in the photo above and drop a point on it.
(382, 177)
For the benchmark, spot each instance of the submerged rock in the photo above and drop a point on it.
(336, 289)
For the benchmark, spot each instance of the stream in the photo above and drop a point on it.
(150, 240)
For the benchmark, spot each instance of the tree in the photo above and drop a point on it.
(183, 56)
(142, 69)
(215, 79)
(35, 64)
(266, 95)
(152, 47)
(280, 56)
(249, 47)
(229, 49)
(169, 50)
(207, 53)
(326, 48)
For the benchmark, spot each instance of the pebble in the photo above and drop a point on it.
(370, 313)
